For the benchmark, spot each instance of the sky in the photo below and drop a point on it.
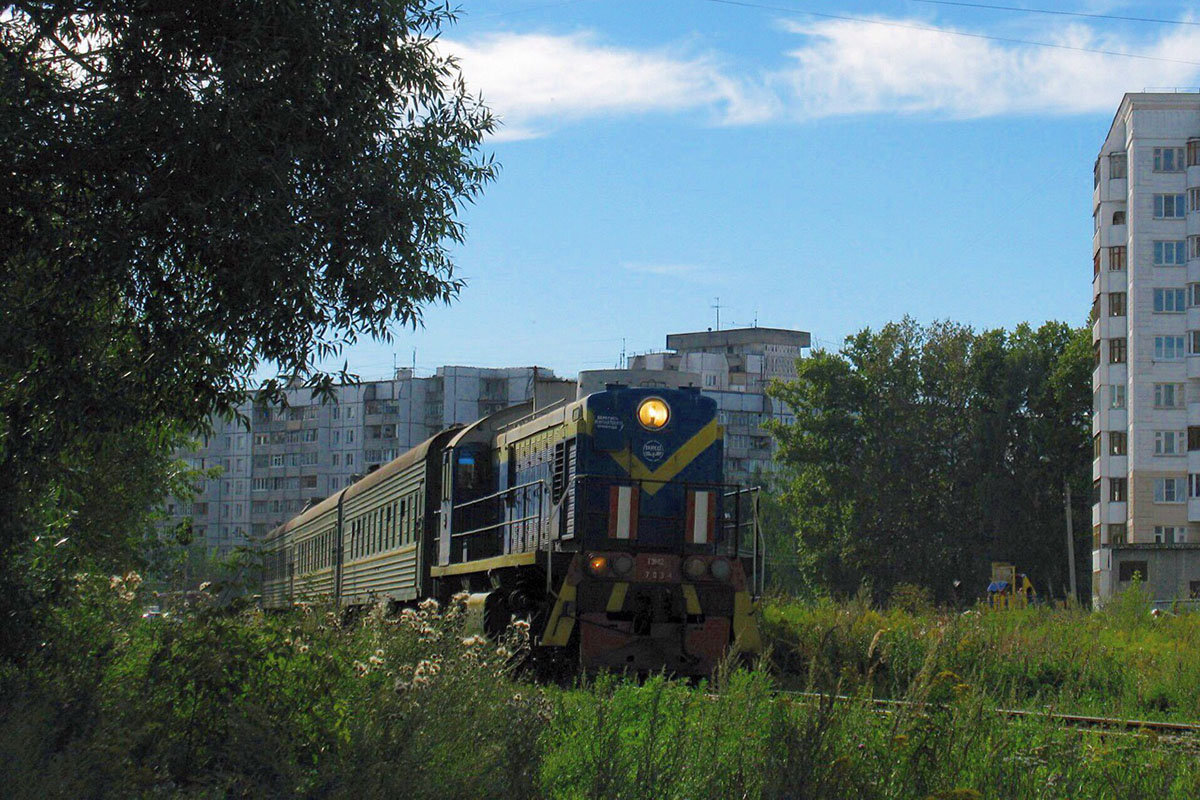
(824, 172)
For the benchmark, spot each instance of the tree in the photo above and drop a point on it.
(193, 190)
(920, 454)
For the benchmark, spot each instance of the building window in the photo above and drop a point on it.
(1116, 304)
(1168, 159)
(1096, 492)
(336, 459)
(1118, 218)
(1170, 253)
(1096, 447)
(1194, 294)
(1170, 534)
(1169, 443)
(1194, 247)
(1117, 443)
(1096, 264)
(1116, 165)
(1116, 396)
(1167, 348)
(1116, 490)
(1169, 490)
(1193, 199)
(1194, 343)
(1095, 364)
(1128, 569)
(1117, 533)
(1194, 485)
(1116, 258)
(1116, 350)
(1169, 301)
(1193, 153)
(350, 436)
(277, 460)
(1169, 395)
(1168, 206)
(349, 459)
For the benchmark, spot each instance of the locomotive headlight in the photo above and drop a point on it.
(721, 569)
(653, 413)
(597, 565)
(694, 568)
(622, 564)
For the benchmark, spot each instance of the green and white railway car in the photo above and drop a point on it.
(367, 543)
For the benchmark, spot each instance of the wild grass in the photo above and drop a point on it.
(1122, 661)
(218, 703)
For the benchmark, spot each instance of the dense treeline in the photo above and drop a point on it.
(919, 454)
(194, 192)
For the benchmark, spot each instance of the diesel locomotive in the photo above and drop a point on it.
(604, 523)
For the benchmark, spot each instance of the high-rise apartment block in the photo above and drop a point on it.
(290, 457)
(733, 367)
(1146, 342)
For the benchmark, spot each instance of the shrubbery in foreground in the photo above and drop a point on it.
(218, 704)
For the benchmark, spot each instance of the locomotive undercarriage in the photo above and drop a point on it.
(590, 623)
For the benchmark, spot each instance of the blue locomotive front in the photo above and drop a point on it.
(609, 527)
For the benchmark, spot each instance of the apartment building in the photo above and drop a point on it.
(290, 457)
(1146, 349)
(733, 367)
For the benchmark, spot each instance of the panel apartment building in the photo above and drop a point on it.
(305, 452)
(732, 366)
(1146, 343)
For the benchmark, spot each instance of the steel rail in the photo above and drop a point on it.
(1072, 720)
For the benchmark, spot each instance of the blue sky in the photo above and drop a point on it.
(813, 173)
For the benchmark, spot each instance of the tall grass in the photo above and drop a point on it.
(223, 704)
(1121, 661)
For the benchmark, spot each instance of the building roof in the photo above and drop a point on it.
(736, 336)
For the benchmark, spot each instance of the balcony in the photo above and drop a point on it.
(1194, 509)
(1193, 366)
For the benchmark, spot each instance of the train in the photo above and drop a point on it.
(603, 523)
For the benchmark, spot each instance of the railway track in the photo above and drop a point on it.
(1083, 721)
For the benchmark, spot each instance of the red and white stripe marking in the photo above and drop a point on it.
(622, 512)
(701, 516)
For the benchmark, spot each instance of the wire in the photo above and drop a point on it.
(1058, 13)
(949, 32)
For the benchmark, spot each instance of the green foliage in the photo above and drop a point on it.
(1122, 661)
(921, 454)
(217, 704)
(192, 192)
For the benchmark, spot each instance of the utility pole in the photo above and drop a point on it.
(1070, 537)
(717, 306)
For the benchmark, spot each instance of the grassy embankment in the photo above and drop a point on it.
(217, 705)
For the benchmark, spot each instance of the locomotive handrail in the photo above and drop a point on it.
(524, 488)
(494, 495)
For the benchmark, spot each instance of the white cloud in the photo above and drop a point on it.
(535, 81)
(850, 67)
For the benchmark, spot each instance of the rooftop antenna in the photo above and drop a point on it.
(717, 306)
(624, 361)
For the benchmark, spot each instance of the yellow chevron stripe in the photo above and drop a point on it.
(656, 478)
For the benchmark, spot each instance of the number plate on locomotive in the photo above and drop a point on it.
(657, 569)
